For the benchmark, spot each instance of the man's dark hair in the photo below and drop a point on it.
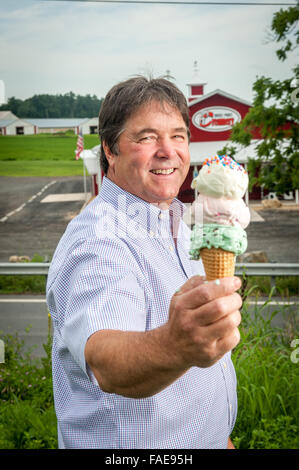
(125, 98)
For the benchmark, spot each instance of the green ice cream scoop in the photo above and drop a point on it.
(227, 237)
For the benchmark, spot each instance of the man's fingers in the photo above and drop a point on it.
(225, 326)
(197, 292)
(217, 309)
(194, 281)
(229, 342)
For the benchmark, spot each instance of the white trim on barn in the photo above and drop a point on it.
(218, 92)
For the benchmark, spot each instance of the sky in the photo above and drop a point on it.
(86, 47)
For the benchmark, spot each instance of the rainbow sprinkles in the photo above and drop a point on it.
(226, 161)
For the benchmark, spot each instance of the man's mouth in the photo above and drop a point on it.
(163, 171)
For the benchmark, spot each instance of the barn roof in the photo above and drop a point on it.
(56, 122)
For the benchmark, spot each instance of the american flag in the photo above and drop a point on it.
(80, 144)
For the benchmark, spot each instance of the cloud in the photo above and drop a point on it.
(53, 47)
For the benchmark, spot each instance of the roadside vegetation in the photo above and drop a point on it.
(268, 381)
(42, 155)
(268, 387)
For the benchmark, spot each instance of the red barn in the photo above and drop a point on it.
(212, 117)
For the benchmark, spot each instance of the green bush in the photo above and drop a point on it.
(268, 383)
(278, 433)
(23, 425)
(27, 416)
(284, 285)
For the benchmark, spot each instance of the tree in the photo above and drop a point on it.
(274, 116)
(11, 105)
(68, 105)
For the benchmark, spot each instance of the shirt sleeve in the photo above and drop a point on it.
(100, 286)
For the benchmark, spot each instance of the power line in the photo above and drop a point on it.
(180, 2)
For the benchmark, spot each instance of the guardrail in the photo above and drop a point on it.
(267, 269)
(19, 269)
(250, 269)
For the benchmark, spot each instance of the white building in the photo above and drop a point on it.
(90, 126)
(53, 125)
(10, 124)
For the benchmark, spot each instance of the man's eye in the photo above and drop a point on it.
(179, 137)
(147, 138)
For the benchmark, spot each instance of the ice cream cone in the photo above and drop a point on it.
(217, 263)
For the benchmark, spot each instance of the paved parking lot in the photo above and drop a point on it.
(32, 226)
(36, 227)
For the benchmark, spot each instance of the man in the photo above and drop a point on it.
(141, 347)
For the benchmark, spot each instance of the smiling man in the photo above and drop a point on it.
(153, 159)
(142, 344)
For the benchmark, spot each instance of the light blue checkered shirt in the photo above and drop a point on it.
(117, 267)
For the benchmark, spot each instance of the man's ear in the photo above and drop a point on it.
(109, 155)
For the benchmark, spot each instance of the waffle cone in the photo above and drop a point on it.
(217, 263)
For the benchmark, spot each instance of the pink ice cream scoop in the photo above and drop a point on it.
(222, 211)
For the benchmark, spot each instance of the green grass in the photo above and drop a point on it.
(24, 284)
(285, 285)
(27, 415)
(41, 168)
(42, 155)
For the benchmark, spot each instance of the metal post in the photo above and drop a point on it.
(84, 181)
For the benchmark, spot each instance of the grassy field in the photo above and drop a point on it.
(42, 154)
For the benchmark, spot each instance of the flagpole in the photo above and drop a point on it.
(84, 180)
(78, 151)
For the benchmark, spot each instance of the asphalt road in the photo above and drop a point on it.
(277, 236)
(28, 317)
(37, 227)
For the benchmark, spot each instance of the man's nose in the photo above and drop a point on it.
(165, 148)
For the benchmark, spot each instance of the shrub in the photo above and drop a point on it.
(27, 416)
(268, 383)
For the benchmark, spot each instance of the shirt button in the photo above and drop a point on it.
(230, 407)
(161, 216)
(224, 365)
(152, 234)
(171, 247)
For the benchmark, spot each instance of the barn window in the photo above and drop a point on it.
(93, 129)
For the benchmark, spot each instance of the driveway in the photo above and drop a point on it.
(28, 225)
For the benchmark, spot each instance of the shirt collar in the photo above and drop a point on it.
(146, 214)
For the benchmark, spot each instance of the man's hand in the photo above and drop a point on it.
(204, 319)
(202, 327)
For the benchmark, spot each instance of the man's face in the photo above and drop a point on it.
(153, 159)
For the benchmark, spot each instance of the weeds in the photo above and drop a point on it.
(268, 381)
(27, 416)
